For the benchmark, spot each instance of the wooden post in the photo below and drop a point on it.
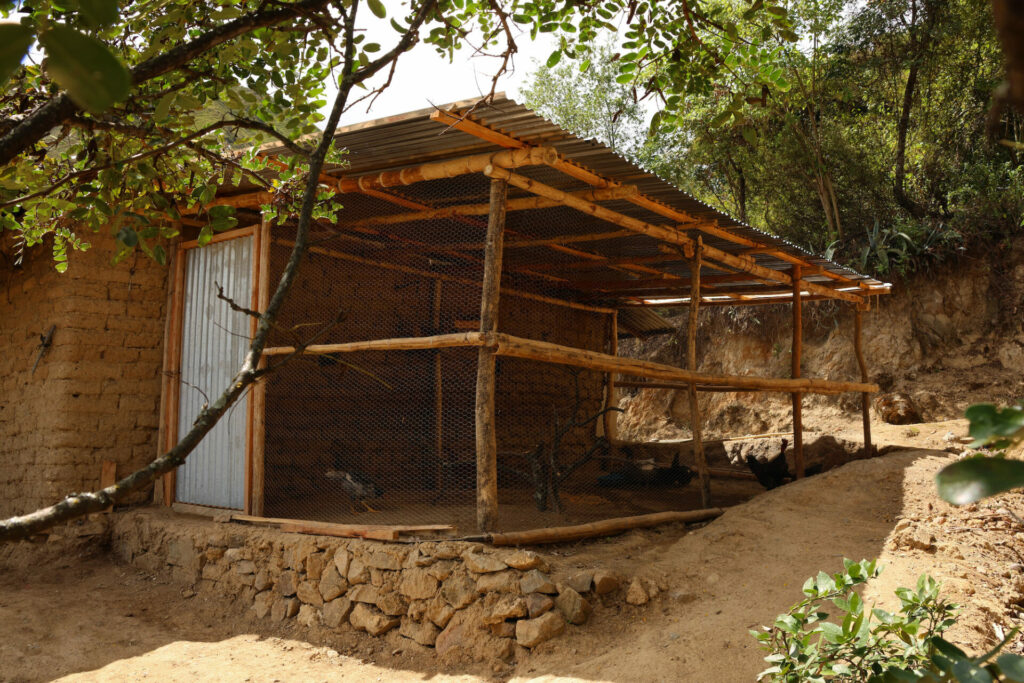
(611, 400)
(177, 314)
(258, 397)
(691, 363)
(865, 399)
(798, 334)
(486, 434)
(438, 394)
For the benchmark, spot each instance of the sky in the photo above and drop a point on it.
(424, 78)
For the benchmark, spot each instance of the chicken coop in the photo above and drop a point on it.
(449, 353)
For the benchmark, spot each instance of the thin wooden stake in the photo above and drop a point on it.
(438, 394)
(486, 381)
(691, 363)
(258, 397)
(611, 418)
(798, 334)
(865, 399)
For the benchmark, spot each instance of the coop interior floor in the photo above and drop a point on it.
(517, 509)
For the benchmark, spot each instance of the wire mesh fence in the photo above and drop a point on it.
(388, 436)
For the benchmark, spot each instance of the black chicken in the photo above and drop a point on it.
(646, 473)
(773, 473)
(357, 486)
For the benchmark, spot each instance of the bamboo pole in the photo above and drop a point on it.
(546, 352)
(664, 233)
(798, 334)
(611, 400)
(865, 402)
(562, 534)
(691, 363)
(259, 389)
(438, 395)
(437, 341)
(486, 381)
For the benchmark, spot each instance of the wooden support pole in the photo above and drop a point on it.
(611, 399)
(865, 400)
(437, 341)
(438, 395)
(177, 314)
(259, 389)
(691, 364)
(563, 534)
(486, 381)
(798, 334)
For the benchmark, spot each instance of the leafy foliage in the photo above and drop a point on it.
(859, 643)
(977, 477)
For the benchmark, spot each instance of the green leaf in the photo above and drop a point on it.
(127, 237)
(971, 480)
(1012, 667)
(93, 77)
(163, 107)
(15, 40)
(967, 671)
(831, 632)
(554, 59)
(98, 12)
(159, 255)
(378, 9)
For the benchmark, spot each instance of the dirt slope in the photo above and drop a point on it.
(94, 620)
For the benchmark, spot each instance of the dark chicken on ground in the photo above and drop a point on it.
(357, 486)
(774, 472)
(646, 473)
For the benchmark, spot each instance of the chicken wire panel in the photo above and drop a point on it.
(373, 438)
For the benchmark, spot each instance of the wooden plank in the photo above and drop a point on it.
(798, 341)
(223, 236)
(546, 352)
(382, 532)
(486, 380)
(437, 341)
(174, 378)
(570, 239)
(696, 427)
(660, 232)
(108, 473)
(865, 399)
(165, 372)
(258, 397)
(468, 125)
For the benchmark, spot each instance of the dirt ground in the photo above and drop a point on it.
(88, 618)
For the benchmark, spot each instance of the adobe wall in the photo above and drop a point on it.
(96, 392)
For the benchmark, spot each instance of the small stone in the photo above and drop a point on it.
(307, 592)
(263, 603)
(357, 572)
(605, 582)
(456, 634)
(441, 570)
(459, 590)
(533, 632)
(483, 564)
(277, 610)
(233, 554)
(537, 604)
(392, 604)
(309, 616)
(417, 584)
(536, 582)
(920, 539)
(503, 629)
(386, 559)
(261, 581)
(498, 582)
(637, 594)
(331, 584)
(524, 560)
(287, 583)
(245, 567)
(366, 618)
(341, 560)
(573, 606)
(364, 593)
(315, 564)
(439, 612)
(291, 607)
(581, 581)
(423, 633)
(336, 611)
(507, 607)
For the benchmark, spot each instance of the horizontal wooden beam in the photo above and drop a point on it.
(546, 352)
(660, 232)
(437, 341)
(571, 239)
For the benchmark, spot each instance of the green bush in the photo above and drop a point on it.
(862, 644)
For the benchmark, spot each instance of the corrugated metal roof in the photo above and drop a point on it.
(413, 138)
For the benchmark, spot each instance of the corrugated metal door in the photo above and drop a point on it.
(214, 342)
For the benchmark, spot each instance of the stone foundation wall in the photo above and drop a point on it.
(462, 599)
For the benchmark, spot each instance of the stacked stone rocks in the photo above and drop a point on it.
(456, 597)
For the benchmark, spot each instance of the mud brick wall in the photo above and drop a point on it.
(95, 395)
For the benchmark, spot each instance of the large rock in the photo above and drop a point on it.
(498, 582)
(308, 616)
(897, 409)
(417, 584)
(573, 606)
(315, 564)
(342, 557)
(533, 632)
(391, 558)
(605, 582)
(309, 594)
(423, 633)
(524, 560)
(537, 604)
(536, 582)
(287, 583)
(507, 607)
(581, 582)
(181, 552)
(636, 594)
(369, 619)
(332, 584)
(459, 590)
(336, 611)
(392, 604)
(263, 603)
(439, 612)
(483, 564)
(262, 580)
(358, 572)
(364, 592)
